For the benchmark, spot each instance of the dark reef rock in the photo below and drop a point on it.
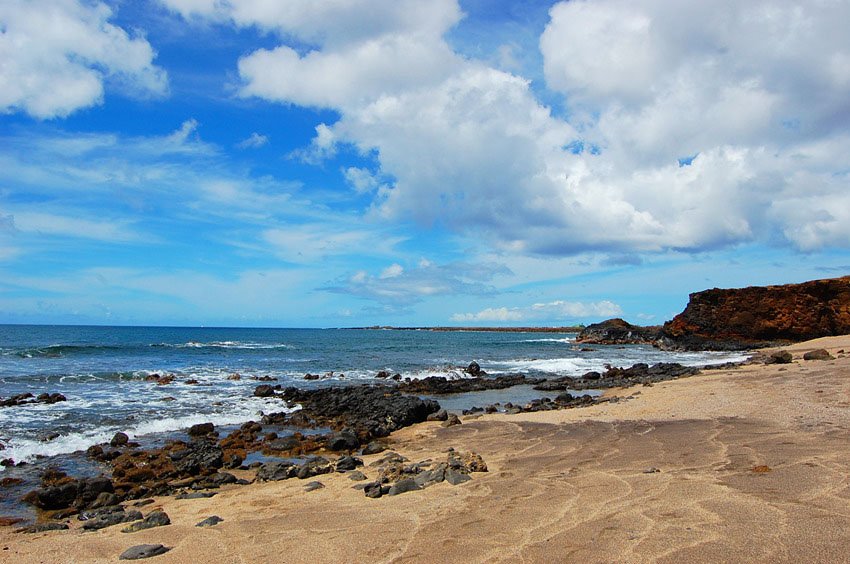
(143, 551)
(761, 316)
(618, 332)
(640, 373)
(25, 399)
(438, 385)
(365, 411)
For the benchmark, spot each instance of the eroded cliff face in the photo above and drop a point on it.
(761, 316)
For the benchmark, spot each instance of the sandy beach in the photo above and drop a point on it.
(743, 465)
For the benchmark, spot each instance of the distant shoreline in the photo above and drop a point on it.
(572, 329)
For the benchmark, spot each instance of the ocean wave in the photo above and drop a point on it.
(226, 345)
(57, 351)
(28, 449)
(561, 340)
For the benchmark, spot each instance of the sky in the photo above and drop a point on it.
(327, 163)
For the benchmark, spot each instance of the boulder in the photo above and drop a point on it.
(201, 430)
(779, 357)
(618, 332)
(119, 439)
(474, 369)
(818, 354)
(210, 521)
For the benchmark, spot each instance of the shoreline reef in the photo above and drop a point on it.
(733, 464)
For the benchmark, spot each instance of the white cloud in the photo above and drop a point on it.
(253, 141)
(397, 286)
(57, 55)
(393, 271)
(647, 83)
(309, 242)
(67, 226)
(552, 311)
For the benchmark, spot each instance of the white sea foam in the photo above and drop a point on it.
(28, 449)
(562, 340)
(228, 345)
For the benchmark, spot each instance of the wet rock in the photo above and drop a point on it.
(346, 440)
(382, 374)
(153, 519)
(54, 497)
(198, 458)
(451, 421)
(440, 415)
(437, 385)
(201, 430)
(264, 391)
(119, 440)
(474, 370)
(28, 398)
(109, 519)
(286, 443)
(369, 411)
(143, 551)
(9, 521)
(818, 354)
(42, 527)
(210, 521)
(95, 513)
(311, 376)
(313, 486)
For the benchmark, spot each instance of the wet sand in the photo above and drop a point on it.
(745, 465)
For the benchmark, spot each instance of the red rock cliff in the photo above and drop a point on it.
(762, 315)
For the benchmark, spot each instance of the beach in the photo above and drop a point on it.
(747, 464)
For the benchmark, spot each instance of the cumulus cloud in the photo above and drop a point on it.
(690, 126)
(552, 311)
(57, 55)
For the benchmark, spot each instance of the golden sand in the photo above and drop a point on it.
(745, 465)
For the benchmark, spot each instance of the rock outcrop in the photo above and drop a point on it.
(761, 316)
(618, 332)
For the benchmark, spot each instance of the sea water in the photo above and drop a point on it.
(104, 373)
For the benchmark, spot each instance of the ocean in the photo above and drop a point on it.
(105, 373)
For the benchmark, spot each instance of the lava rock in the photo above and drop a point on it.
(153, 519)
(143, 551)
(119, 439)
(313, 486)
(42, 527)
(201, 429)
(210, 521)
(818, 354)
(451, 421)
(404, 486)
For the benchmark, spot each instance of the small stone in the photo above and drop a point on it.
(210, 521)
(357, 476)
(761, 469)
(451, 421)
(143, 551)
(313, 486)
(651, 470)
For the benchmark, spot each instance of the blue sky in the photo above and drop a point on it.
(320, 164)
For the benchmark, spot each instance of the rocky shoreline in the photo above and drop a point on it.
(331, 429)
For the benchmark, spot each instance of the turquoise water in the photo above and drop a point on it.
(103, 370)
